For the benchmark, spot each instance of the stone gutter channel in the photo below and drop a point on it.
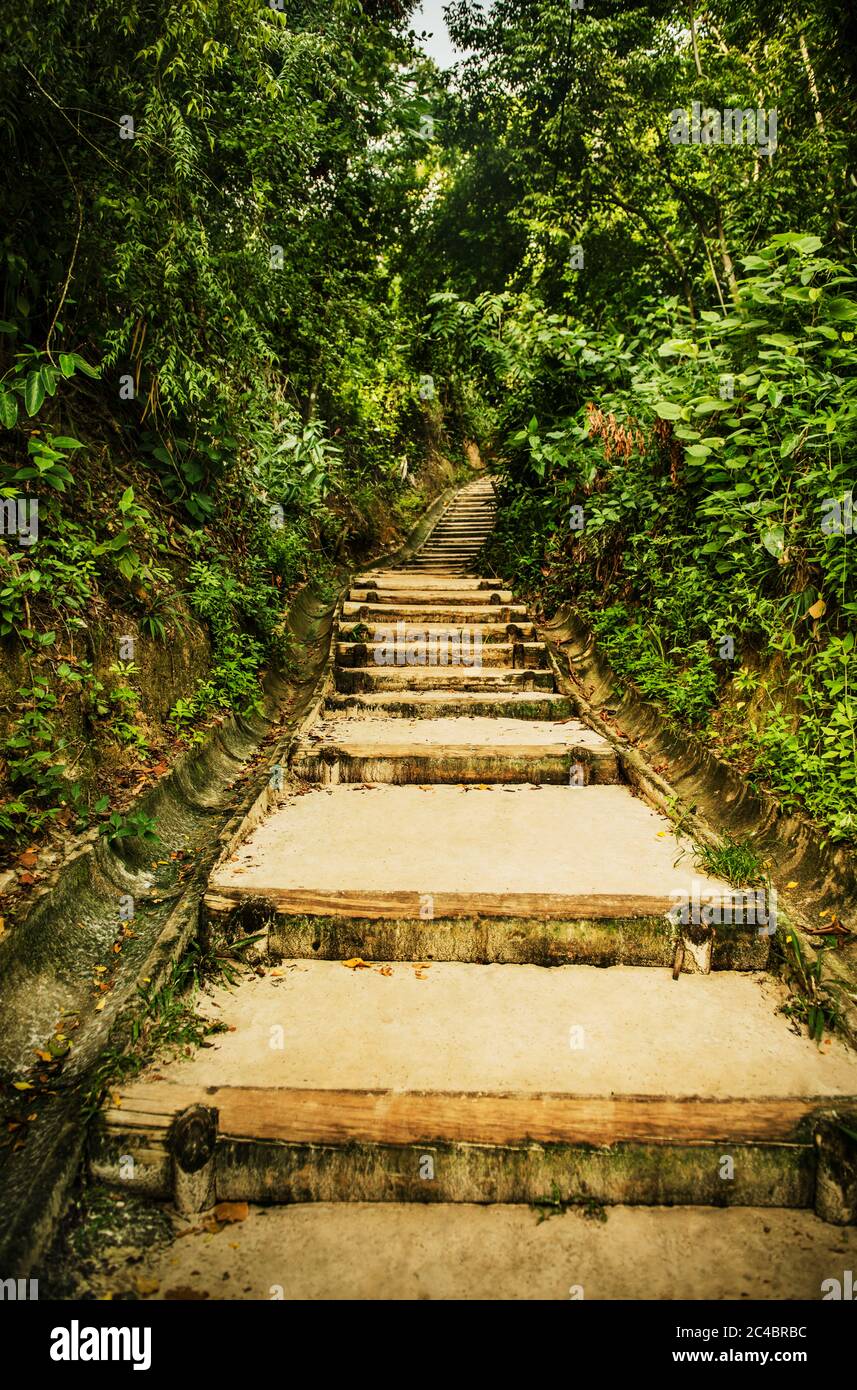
(60, 969)
(709, 800)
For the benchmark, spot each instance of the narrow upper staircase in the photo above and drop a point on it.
(451, 829)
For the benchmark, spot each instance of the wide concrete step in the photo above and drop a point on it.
(453, 751)
(466, 1083)
(443, 704)
(395, 1251)
(353, 679)
(433, 610)
(502, 851)
(439, 649)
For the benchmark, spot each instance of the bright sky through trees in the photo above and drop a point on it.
(429, 16)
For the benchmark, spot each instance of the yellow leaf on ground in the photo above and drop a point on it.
(230, 1212)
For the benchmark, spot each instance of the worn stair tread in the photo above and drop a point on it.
(467, 733)
(548, 700)
(440, 649)
(392, 1251)
(505, 850)
(452, 750)
(351, 679)
(465, 598)
(482, 1054)
(434, 611)
(406, 579)
(435, 704)
(315, 1116)
(489, 632)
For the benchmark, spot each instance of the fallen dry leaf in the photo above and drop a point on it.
(355, 964)
(230, 1212)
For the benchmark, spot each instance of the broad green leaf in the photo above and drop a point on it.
(34, 393)
(8, 410)
(83, 366)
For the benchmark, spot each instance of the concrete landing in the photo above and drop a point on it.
(388, 1252)
(513, 1030)
(503, 850)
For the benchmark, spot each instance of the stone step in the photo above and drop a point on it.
(442, 704)
(440, 649)
(544, 852)
(474, 1083)
(351, 631)
(467, 598)
(453, 751)
(352, 680)
(434, 611)
(486, 940)
(383, 1252)
(395, 579)
(448, 554)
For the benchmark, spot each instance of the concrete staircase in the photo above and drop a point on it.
(451, 830)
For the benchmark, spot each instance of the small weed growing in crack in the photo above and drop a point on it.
(556, 1205)
(734, 860)
(815, 1001)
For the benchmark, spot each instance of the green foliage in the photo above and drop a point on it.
(733, 859)
(212, 202)
(709, 480)
(136, 825)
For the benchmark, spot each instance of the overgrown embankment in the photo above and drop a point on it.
(212, 384)
(693, 501)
